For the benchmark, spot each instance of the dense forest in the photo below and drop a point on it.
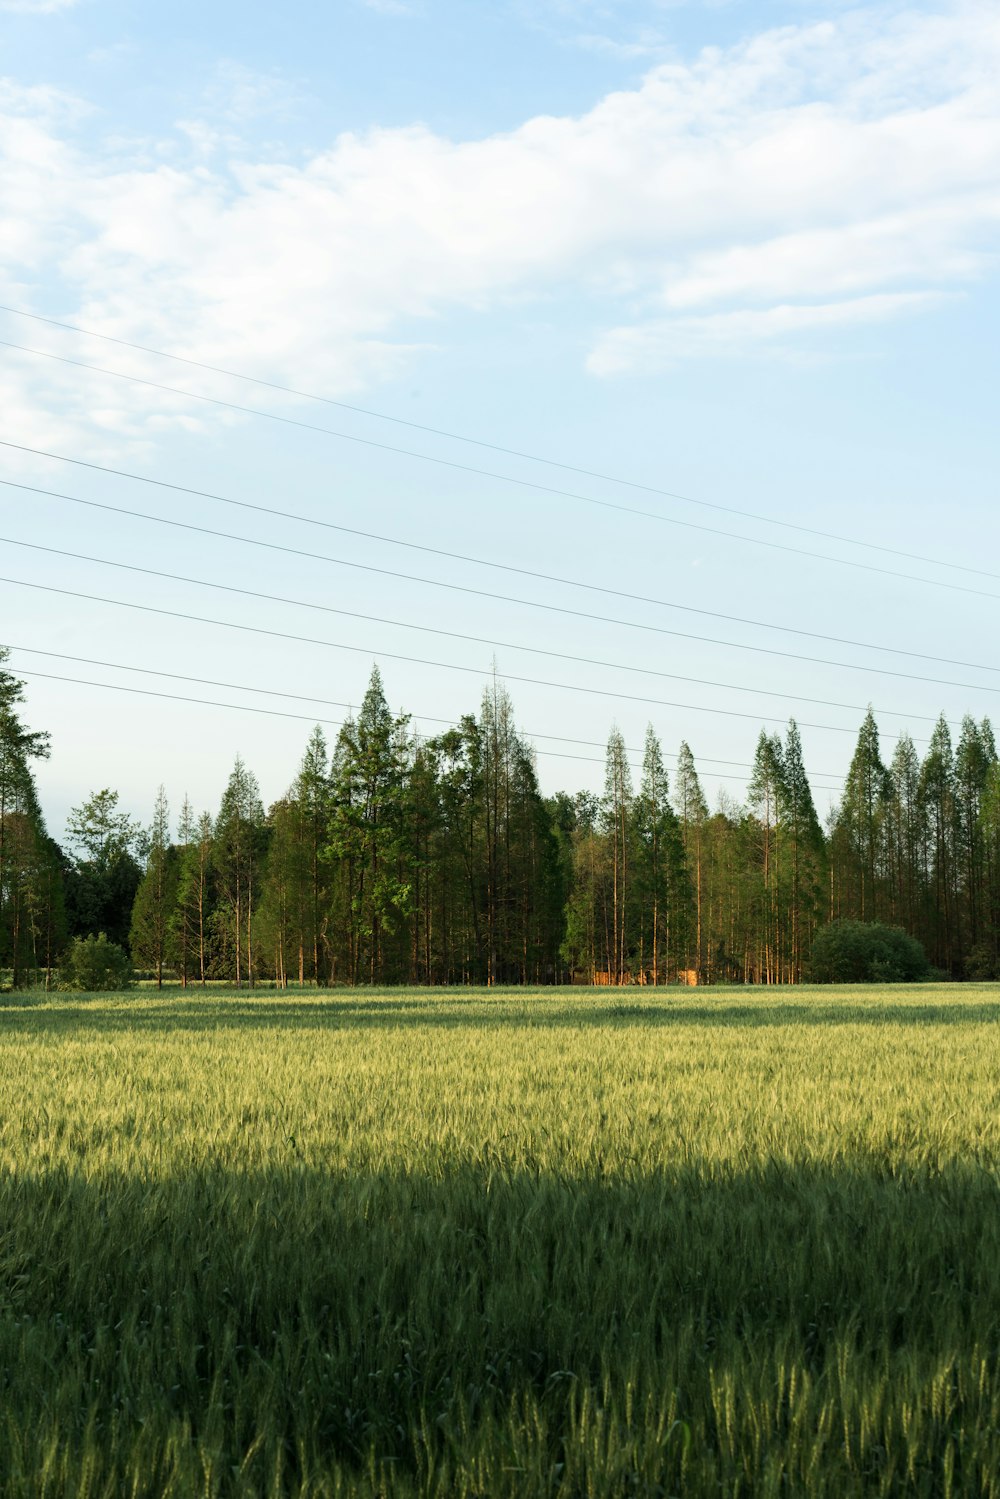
(399, 859)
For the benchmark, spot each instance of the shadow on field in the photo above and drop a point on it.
(142, 1012)
(324, 1317)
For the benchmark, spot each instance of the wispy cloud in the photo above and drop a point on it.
(240, 94)
(647, 44)
(36, 7)
(114, 53)
(236, 100)
(390, 7)
(655, 345)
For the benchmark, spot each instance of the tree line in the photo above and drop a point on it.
(394, 858)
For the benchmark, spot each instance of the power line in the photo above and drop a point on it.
(201, 702)
(371, 442)
(175, 697)
(313, 556)
(494, 447)
(533, 650)
(410, 660)
(330, 703)
(309, 520)
(304, 698)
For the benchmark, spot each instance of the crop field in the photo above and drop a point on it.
(501, 1243)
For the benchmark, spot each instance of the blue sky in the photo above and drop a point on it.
(743, 253)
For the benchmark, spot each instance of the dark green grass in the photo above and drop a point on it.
(500, 1245)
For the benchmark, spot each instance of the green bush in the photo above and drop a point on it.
(866, 952)
(982, 963)
(94, 963)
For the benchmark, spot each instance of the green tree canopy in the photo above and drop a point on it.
(30, 877)
(107, 846)
(866, 952)
(93, 965)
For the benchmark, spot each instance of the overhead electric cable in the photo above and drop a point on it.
(370, 442)
(326, 702)
(368, 567)
(493, 447)
(416, 546)
(411, 660)
(201, 702)
(534, 650)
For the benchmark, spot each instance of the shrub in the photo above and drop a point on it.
(94, 963)
(866, 952)
(982, 963)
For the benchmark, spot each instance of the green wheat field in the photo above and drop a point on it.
(496, 1243)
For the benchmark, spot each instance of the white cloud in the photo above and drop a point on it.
(936, 242)
(239, 94)
(389, 7)
(654, 345)
(36, 7)
(647, 44)
(813, 178)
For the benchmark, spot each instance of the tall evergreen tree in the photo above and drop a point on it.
(192, 911)
(153, 908)
(905, 837)
(183, 927)
(986, 959)
(368, 781)
(616, 825)
(237, 848)
(659, 864)
(537, 893)
(459, 893)
(582, 938)
(313, 796)
(424, 821)
(497, 749)
(30, 888)
(861, 820)
(767, 794)
(804, 850)
(975, 754)
(283, 916)
(937, 793)
(692, 810)
(294, 914)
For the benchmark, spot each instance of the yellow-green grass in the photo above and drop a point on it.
(501, 1243)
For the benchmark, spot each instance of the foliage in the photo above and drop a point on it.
(918, 845)
(156, 898)
(501, 1243)
(399, 858)
(368, 834)
(108, 848)
(93, 964)
(866, 952)
(237, 853)
(32, 915)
